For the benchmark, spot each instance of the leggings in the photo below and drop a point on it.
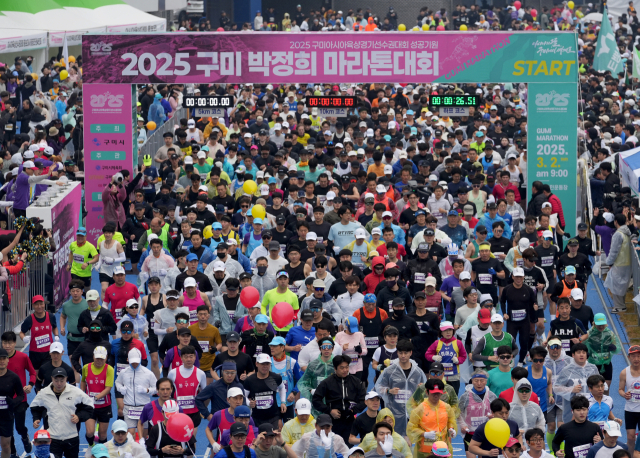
(521, 328)
(20, 415)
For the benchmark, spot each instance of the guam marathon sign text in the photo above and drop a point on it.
(530, 57)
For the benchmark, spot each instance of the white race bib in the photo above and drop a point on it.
(187, 402)
(372, 342)
(79, 258)
(477, 421)
(635, 395)
(134, 412)
(98, 402)
(448, 369)
(419, 278)
(134, 246)
(518, 315)
(403, 396)
(264, 402)
(204, 344)
(3, 402)
(43, 341)
(581, 450)
(546, 261)
(485, 279)
(120, 368)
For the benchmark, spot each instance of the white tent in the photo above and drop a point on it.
(630, 168)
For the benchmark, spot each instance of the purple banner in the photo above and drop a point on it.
(108, 147)
(64, 222)
(378, 57)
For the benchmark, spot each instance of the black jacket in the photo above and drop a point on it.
(85, 351)
(338, 393)
(535, 204)
(424, 267)
(171, 340)
(105, 317)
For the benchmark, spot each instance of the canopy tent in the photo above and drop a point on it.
(22, 21)
(630, 168)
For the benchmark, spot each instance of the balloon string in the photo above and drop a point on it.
(190, 449)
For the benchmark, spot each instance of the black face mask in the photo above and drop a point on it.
(398, 313)
(222, 255)
(262, 270)
(95, 336)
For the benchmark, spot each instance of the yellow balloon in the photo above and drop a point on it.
(463, 27)
(72, 59)
(258, 211)
(64, 75)
(34, 76)
(62, 61)
(570, 4)
(250, 187)
(415, 29)
(207, 233)
(497, 432)
(151, 125)
(402, 27)
(425, 27)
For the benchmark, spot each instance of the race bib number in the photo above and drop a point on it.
(187, 402)
(120, 368)
(231, 313)
(108, 263)
(283, 247)
(581, 450)
(294, 289)
(264, 402)
(258, 350)
(98, 402)
(134, 246)
(546, 261)
(518, 315)
(485, 279)
(193, 316)
(448, 369)
(3, 402)
(320, 239)
(635, 395)
(78, 258)
(43, 341)
(520, 262)
(204, 344)
(372, 342)
(8, 126)
(419, 278)
(566, 345)
(391, 305)
(403, 395)
(134, 412)
(434, 309)
(477, 421)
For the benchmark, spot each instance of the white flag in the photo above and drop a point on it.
(65, 52)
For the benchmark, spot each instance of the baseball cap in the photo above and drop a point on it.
(324, 420)
(484, 316)
(277, 341)
(318, 283)
(81, 231)
(238, 428)
(446, 325)
(306, 315)
(267, 429)
(98, 352)
(234, 391)
(233, 337)
(184, 331)
(612, 428)
(263, 358)
(44, 434)
(37, 298)
(599, 319)
(496, 317)
(547, 235)
(189, 282)
(372, 394)
(518, 272)
(218, 266)
(573, 242)
(464, 275)
(511, 442)
(569, 270)
(576, 294)
(242, 411)
(360, 233)
(119, 271)
(57, 347)
(57, 372)
(440, 448)
(261, 318)
(582, 227)
(99, 450)
(303, 407)
(369, 298)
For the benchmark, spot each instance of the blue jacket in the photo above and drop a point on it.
(206, 258)
(399, 237)
(156, 113)
(217, 392)
(486, 221)
(228, 168)
(244, 262)
(397, 167)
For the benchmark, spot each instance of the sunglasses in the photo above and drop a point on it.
(554, 347)
(524, 390)
(244, 206)
(319, 289)
(321, 266)
(379, 267)
(315, 310)
(127, 332)
(181, 321)
(504, 357)
(326, 347)
(435, 373)
(538, 360)
(133, 306)
(95, 328)
(476, 185)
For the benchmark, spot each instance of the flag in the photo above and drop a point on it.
(607, 55)
(636, 63)
(65, 52)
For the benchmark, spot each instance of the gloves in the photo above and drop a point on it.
(129, 455)
(56, 339)
(122, 390)
(26, 340)
(107, 260)
(163, 272)
(437, 358)
(234, 320)
(455, 360)
(567, 235)
(215, 447)
(358, 349)
(326, 441)
(492, 271)
(217, 324)
(430, 435)
(452, 433)
(141, 389)
(387, 445)
(611, 347)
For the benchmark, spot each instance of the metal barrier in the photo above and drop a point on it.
(635, 275)
(155, 140)
(23, 287)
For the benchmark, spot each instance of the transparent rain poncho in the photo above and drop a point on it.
(448, 397)
(169, 280)
(393, 377)
(570, 376)
(316, 372)
(601, 346)
(473, 410)
(528, 415)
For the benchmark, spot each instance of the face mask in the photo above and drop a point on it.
(95, 336)
(262, 270)
(390, 283)
(626, 115)
(398, 313)
(222, 255)
(41, 451)
(164, 197)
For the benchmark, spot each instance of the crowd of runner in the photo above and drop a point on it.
(416, 260)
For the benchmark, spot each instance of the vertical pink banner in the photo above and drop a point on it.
(64, 218)
(108, 145)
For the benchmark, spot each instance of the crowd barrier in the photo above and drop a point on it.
(155, 140)
(23, 286)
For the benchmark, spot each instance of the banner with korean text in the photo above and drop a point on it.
(552, 156)
(383, 57)
(108, 146)
(64, 225)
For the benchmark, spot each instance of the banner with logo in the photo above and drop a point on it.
(108, 145)
(262, 57)
(64, 222)
(552, 156)
(607, 55)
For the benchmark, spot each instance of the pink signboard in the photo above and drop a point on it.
(376, 57)
(64, 222)
(108, 145)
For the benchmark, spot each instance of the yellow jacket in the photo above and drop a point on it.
(369, 443)
(292, 430)
(209, 127)
(415, 431)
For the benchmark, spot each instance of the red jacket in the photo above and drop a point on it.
(556, 207)
(507, 395)
(499, 191)
(372, 280)
(12, 270)
(19, 363)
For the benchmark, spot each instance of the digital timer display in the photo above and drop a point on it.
(455, 101)
(331, 102)
(208, 101)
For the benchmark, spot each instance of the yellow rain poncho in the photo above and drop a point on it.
(292, 430)
(419, 423)
(399, 443)
(449, 397)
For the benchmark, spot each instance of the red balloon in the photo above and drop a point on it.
(517, 4)
(440, 27)
(249, 296)
(180, 427)
(534, 12)
(282, 314)
(219, 29)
